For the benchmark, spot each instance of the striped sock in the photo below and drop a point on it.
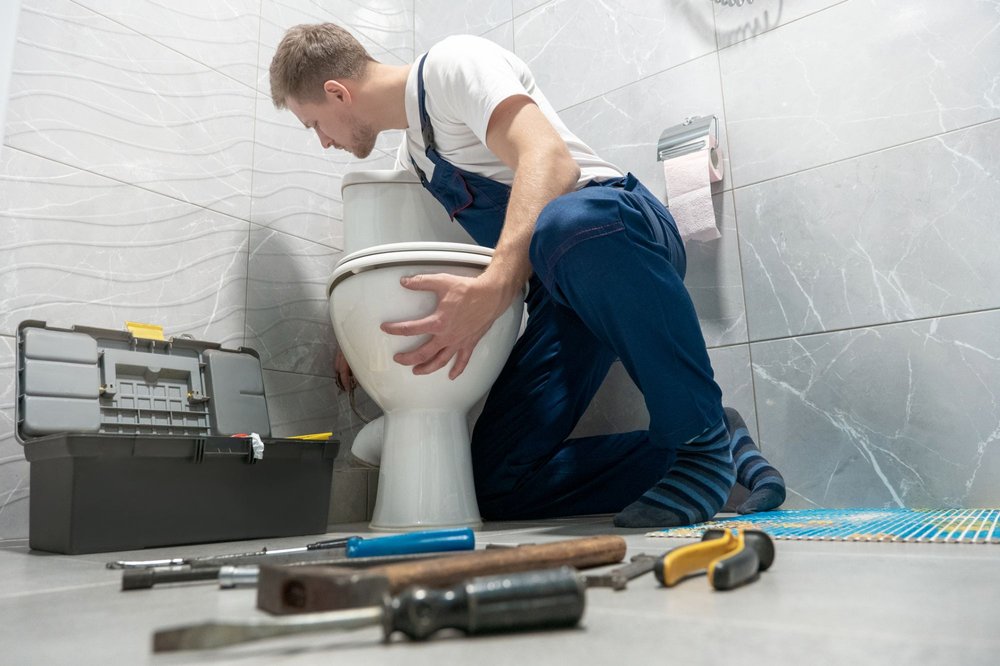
(694, 489)
(753, 471)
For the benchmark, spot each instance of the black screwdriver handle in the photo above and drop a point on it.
(545, 599)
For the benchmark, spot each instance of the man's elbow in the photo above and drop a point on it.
(567, 171)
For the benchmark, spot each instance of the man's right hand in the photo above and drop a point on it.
(342, 373)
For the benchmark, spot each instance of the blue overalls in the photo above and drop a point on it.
(608, 283)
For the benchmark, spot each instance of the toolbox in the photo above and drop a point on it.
(129, 440)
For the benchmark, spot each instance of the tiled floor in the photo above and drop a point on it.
(821, 603)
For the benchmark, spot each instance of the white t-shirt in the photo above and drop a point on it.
(465, 79)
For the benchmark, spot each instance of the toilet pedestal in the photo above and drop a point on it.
(425, 479)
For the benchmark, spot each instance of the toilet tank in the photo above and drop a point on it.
(393, 207)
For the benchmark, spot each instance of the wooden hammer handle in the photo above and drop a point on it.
(579, 553)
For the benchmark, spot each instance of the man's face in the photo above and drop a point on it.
(335, 125)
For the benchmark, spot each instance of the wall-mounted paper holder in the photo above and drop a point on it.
(688, 137)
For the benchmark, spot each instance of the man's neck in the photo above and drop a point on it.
(383, 92)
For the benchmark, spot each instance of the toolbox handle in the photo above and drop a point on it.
(247, 443)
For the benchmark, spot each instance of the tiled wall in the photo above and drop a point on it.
(851, 305)
(146, 176)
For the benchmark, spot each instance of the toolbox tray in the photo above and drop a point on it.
(129, 445)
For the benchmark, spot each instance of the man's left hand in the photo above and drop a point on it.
(466, 309)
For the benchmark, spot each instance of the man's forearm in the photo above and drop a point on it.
(539, 178)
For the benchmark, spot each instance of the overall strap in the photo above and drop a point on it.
(426, 131)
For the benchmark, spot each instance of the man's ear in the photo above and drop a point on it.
(337, 90)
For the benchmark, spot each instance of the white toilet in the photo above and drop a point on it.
(394, 228)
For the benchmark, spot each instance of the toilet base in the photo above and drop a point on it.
(425, 479)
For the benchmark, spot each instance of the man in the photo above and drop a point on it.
(605, 267)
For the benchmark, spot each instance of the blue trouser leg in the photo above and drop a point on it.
(614, 287)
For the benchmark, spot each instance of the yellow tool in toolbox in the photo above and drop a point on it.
(730, 559)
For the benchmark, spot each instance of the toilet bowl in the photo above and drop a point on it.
(393, 228)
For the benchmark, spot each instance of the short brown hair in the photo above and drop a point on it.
(309, 56)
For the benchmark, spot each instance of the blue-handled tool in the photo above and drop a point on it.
(429, 541)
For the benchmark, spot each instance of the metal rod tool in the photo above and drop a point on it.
(617, 579)
(547, 599)
(145, 578)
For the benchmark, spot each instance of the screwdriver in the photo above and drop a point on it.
(425, 541)
(730, 560)
(544, 599)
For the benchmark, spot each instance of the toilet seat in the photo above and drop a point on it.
(411, 253)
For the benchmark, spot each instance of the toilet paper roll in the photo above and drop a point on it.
(689, 181)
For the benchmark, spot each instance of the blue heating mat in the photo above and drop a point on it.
(899, 525)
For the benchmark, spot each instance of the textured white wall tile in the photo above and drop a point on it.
(901, 234)
(81, 249)
(581, 49)
(858, 77)
(13, 466)
(222, 35)
(436, 19)
(91, 93)
(734, 24)
(384, 27)
(288, 315)
(296, 182)
(349, 496)
(301, 404)
(898, 415)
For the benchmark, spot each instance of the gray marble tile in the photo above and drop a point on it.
(901, 234)
(89, 92)
(296, 183)
(735, 23)
(624, 126)
(855, 78)
(502, 35)
(619, 406)
(436, 19)
(898, 415)
(580, 49)
(81, 249)
(14, 483)
(715, 282)
(222, 35)
(521, 6)
(288, 316)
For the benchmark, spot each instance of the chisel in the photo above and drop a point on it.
(546, 599)
(427, 541)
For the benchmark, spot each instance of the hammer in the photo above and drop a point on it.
(310, 589)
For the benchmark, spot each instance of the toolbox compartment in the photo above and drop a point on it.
(129, 444)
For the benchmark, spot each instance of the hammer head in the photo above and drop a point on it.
(284, 590)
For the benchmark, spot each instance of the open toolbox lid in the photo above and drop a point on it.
(102, 381)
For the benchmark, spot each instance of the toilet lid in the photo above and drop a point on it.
(415, 253)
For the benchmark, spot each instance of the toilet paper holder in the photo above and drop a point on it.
(688, 137)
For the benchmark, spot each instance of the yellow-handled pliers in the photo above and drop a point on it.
(730, 559)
